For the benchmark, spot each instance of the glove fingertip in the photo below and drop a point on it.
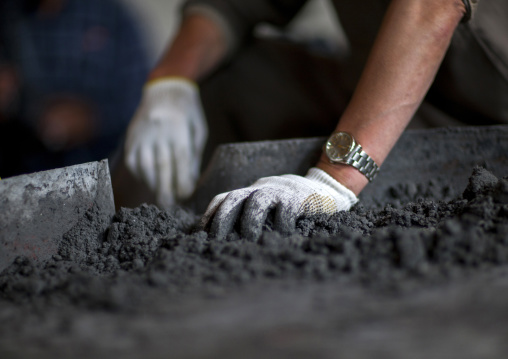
(130, 161)
(165, 200)
(146, 167)
(255, 213)
(164, 166)
(206, 220)
(227, 213)
(285, 220)
(212, 208)
(222, 224)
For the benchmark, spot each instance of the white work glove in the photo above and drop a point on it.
(166, 138)
(291, 196)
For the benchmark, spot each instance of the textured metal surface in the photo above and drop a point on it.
(420, 156)
(37, 209)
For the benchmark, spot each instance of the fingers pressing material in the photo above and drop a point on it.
(285, 219)
(207, 218)
(255, 211)
(290, 195)
(226, 215)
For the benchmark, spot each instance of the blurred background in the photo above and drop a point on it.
(159, 20)
(72, 72)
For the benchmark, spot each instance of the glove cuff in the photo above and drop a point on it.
(176, 92)
(318, 175)
(177, 88)
(170, 80)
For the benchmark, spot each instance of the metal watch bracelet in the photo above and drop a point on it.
(359, 159)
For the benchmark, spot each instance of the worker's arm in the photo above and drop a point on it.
(411, 44)
(167, 135)
(214, 29)
(199, 46)
(406, 55)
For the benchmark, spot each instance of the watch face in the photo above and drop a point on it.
(339, 145)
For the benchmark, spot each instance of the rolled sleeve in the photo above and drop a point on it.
(237, 18)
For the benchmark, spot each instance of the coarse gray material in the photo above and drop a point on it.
(423, 275)
(37, 209)
(358, 274)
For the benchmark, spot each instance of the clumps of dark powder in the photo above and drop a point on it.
(148, 249)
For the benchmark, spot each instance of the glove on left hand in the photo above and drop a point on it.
(290, 195)
(166, 138)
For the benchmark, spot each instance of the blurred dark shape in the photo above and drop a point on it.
(71, 75)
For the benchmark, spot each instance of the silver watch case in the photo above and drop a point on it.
(341, 147)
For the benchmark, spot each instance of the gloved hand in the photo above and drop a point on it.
(290, 195)
(166, 138)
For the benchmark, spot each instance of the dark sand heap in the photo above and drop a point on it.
(156, 287)
(146, 248)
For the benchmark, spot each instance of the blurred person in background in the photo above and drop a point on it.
(71, 73)
(439, 62)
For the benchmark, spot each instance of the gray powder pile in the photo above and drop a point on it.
(148, 250)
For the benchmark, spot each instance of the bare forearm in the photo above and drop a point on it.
(196, 50)
(402, 65)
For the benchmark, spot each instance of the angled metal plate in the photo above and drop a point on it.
(37, 209)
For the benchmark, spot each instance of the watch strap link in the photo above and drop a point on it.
(359, 159)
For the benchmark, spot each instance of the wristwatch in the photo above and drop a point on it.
(341, 147)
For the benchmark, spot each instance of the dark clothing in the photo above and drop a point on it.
(470, 88)
(20, 151)
(273, 89)
(91, 49)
